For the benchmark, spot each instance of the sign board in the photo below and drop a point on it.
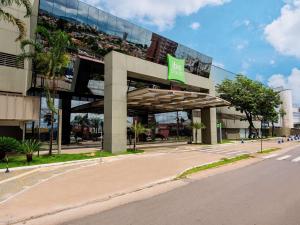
(176, 69)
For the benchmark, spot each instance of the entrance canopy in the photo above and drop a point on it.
(158, 101)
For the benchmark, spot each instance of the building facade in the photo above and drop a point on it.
(15, 77)
(110, 57)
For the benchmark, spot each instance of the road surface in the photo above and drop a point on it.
(265, 193)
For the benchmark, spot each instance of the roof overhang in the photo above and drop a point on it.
(159, 101)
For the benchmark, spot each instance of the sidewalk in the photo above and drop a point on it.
(50, 190)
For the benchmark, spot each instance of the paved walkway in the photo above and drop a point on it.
(52, 189)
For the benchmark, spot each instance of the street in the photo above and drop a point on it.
(265, 193)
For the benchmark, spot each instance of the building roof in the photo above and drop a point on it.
(159, 101)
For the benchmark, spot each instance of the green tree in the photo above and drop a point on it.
(28, 147)
(7, 144)
(272, 118)
(50, 61)
(8, 17)
(138, 129)
(250, 97)
(197, 126)
(96, 122)
(82, 121)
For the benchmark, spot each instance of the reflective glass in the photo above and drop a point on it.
(59, 8)
(111, 24)
(83, 10)
(71, 9)
(93, 17)
(102, 21)
(123, 29)
(46, 5)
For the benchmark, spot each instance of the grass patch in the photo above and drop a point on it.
(269, 150)
(20, 160)
(212, 165)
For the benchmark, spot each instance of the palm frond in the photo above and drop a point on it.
(27, 5)
(15, 21)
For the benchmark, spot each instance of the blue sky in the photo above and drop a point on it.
(259, 38)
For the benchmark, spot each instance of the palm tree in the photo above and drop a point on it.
(197, 126)
(138, 129)
(82, 121)
(50, 61)
(96, 122)
(6, 16)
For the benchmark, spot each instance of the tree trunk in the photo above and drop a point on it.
(52, 118)
(51, 134)
(273, 129)
(29, 157)
(196, 136)
(251, 125)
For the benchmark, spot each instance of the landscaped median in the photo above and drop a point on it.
(269, 150)
(212, 165)
(20, 160)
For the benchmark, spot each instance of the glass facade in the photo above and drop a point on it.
(94, 33)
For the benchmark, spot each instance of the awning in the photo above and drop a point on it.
(158, 101)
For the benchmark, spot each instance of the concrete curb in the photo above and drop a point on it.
(51, 164)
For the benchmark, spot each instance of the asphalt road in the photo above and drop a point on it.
(265, 193)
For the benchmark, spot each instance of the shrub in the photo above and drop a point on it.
(28, 147)
(7, 144)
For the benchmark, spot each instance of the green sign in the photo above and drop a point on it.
(176, 69)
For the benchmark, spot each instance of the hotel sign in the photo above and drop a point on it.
(176, 69)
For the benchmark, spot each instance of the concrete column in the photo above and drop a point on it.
(209, 118)
(115, 103)
(66, 117)
(197, 118)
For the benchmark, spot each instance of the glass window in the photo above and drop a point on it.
(123, 29)
(83, 10)
(46, 5)
(59, 8)
(102, 21)
(71, 9)
(111, 24)
(147, 38)
(93, 17)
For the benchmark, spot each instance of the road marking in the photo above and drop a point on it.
(270, 156)
(235, 152)
(296, 159)
(284, 157)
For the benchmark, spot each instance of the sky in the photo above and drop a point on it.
(258, 38)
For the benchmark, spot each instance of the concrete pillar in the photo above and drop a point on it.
(66, 117)
(209, 118)
(197, 118)
(115, 103)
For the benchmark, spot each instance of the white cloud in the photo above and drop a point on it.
(284, 32)
(292, 82)
(259, 78)
(242, 45)
(219, 64)
(195, 25)
(155, 12)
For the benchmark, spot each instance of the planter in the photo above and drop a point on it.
(29, 157)
(2, 155)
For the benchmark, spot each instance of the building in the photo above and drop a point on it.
(119, 68)
(296, 116)
(16, 107)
